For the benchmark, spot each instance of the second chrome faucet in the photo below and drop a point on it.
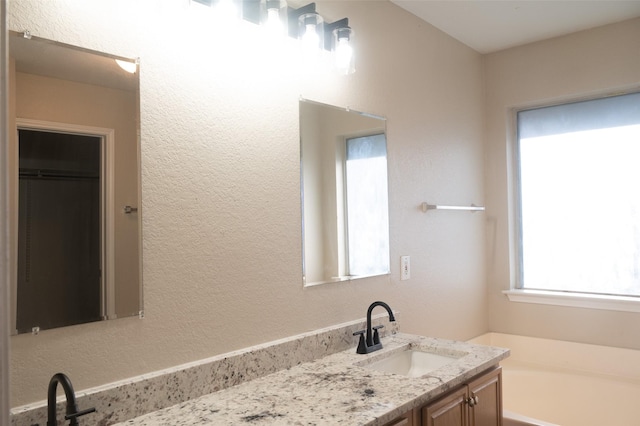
(371, 342)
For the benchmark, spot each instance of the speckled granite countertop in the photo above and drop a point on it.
(335, 389)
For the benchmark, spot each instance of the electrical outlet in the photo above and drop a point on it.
(405, 267)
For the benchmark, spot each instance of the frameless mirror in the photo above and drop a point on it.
(74, 185)
(344, 190)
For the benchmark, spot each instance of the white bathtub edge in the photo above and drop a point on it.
(514, 419)
(578, 357)
(541, 371)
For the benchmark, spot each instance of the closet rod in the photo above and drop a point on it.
(472, 208)
(55, 174)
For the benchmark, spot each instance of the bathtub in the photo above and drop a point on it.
(552, 382)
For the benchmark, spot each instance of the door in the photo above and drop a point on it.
(59, 229)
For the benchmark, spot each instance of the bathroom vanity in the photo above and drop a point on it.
(351, 389)
(312, 378)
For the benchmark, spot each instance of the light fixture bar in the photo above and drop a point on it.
(251, 13)
(337, 36)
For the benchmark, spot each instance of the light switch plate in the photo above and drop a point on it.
(405, 267)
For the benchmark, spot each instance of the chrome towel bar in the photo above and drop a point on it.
(472, 208)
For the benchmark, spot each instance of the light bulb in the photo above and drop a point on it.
(344, 53)
(273, 15)
(343, 50)
(273, 24)
(310, 39)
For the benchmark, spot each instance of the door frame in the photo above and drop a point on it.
(107, 204)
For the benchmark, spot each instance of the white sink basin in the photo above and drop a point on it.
(412, 363)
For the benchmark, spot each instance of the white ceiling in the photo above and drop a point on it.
(488, 26)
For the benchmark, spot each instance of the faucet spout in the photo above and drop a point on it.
(371, 341)
(70, 395)
(369, 330)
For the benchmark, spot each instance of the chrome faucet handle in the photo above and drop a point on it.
(376, 336)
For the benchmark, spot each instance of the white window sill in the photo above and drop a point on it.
(576, 300)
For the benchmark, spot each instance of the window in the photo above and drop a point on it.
(579, 188)
(367, 211)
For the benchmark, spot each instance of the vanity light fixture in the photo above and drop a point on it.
(303, 23)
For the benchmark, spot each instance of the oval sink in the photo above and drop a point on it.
(412, 363)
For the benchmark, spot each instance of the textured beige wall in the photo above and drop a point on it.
(602, 60)
(220, 184)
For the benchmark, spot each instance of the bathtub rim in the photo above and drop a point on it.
(580, 358)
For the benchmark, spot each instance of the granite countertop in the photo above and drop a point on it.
(335, 389)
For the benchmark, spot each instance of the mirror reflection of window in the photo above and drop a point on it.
(367, 200)
(345, 213)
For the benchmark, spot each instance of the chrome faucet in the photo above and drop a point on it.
(372, 341)
(72, 407)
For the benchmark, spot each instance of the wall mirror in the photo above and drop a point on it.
(344, 190)
(75, 185)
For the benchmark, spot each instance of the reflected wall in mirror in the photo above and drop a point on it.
(345, 212)
(75, 186)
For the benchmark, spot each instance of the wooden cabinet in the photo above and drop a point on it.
(487, 394)
(477, 403)
(451, 410)
(406, 420)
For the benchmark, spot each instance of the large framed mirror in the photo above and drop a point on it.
(344, 190)
(75, 185)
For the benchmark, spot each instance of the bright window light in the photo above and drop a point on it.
(579, 167)
(367, 206)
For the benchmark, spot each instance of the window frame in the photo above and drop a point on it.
(517, 292)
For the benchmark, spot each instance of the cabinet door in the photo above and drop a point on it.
(448, 411)
(406, 420)
(485, 399)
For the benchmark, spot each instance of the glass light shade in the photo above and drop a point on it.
(311, 32)
(343, 50)
(273, 15)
